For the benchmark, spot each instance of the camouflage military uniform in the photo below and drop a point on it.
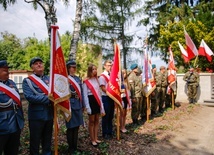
(136, 95)
(161, 86)
(192, 79)
(153, 97)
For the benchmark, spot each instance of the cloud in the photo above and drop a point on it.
(23, 21)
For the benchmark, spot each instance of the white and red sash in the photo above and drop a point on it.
(95, 93)
(76, 86)
(11, 93)
(105, 77)
(39, 83)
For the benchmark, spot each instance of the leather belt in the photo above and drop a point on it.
(74, 96)
(15, 107)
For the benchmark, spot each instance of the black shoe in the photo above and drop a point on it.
(105, 136)
(161, 110)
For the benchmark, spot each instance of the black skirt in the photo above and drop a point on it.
(95, 108)
(125, 101)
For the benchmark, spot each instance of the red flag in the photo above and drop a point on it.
(147, 77)
(204, 50)
(113, 87)
(171, 73)
(190, 46)
(184, 53)
(59, 87)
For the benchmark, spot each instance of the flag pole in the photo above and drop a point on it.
(195, 61)
(118, 124)
(173, 101)
(148, 108)
(55, 131)
(54, 28)
(118, 121)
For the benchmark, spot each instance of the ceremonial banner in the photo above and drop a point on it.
(171, 73)
(190, 46)
(184, 53)
(113, 87)
(147, 76)
(204, 50)
(59, 91)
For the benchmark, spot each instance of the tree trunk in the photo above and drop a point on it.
(76, 32)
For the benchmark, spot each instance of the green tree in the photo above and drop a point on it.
(9, 46)
(114, 19)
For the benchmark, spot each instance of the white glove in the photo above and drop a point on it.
(88, 110)
(102, 111)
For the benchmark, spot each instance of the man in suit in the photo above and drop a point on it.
(11, 114)
(40, 108)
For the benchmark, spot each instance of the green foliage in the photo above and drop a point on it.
(115, 17)
(19, 53)
(169, 28)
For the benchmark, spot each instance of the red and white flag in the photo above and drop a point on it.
(204, 50)
(190, 46)
(184, 53)
(113, 87)
(171, 73)
(147, 77)
(59, 91)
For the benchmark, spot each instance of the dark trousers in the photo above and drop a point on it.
(72, 138)
(40, 131)
(9, 143)
(107, 126)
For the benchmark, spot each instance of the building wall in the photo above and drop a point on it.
(204, 89)
(18, 76)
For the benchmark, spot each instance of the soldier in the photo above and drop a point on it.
(154, 103)
(136, 93)
(77, 106)
(11, 114)
(192, 79)
(161, 85)
(40, 108)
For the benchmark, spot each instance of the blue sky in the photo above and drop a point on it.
(23, 21)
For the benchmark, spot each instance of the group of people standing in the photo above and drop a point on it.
(89, 94)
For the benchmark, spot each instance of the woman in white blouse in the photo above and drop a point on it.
(93, 102)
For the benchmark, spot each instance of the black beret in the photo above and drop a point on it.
(33, 60)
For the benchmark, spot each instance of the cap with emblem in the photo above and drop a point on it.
(3, 63)
(33, 60)
(133, 66)
(71, 63)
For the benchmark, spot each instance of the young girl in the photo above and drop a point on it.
(125, 100)
(93, 102)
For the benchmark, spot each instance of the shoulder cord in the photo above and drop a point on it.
(32, 88)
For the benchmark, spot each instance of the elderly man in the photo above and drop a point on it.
(136, 93)
(192, 79)
(40, 108)
(11, 114)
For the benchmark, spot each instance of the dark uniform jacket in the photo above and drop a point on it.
(11, 115)
(76, 106)
(40, 107)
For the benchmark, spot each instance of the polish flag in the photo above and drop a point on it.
(190, 46)
(204, 50)
(184, 53)
(59, 91)
(171, 73)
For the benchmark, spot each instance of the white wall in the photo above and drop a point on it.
(204, 89)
